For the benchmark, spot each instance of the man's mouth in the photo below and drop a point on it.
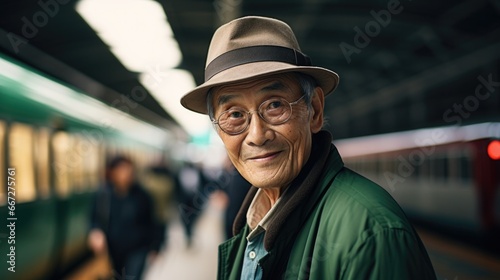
(265, 156)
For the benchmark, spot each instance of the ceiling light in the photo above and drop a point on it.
(137, 32)
(168, 87)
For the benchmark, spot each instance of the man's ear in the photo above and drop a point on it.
(317, 104)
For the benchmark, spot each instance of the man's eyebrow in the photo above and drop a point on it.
(224, 98)
(274, 86)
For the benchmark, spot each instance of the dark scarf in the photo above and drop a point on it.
(299, 191)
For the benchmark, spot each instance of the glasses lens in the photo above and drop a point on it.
(233, 121)
(275, 111)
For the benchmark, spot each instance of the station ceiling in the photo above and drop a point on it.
(402, 64)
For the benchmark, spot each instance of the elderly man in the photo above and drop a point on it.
(306, 216)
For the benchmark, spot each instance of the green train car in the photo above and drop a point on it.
(53, 144)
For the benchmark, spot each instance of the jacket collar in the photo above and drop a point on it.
(299, 191)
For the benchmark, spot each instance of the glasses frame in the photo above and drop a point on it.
(249, 118)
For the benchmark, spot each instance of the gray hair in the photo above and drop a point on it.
(307, 86)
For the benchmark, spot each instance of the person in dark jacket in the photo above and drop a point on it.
(306, 216)
(190, 183)
(122, 221)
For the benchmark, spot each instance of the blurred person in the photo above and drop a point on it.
(122, 221)
(236, 188)
(190, 182)
(159, 182)
(306, 216)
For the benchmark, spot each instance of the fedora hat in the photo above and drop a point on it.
(251, 47)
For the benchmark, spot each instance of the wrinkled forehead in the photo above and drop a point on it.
(286, 82)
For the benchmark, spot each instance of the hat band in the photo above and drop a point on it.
(255, 54)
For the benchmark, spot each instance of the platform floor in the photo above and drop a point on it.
(199, 261)
(456, 261)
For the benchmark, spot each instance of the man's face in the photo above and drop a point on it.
(270, 156)
(122, 176)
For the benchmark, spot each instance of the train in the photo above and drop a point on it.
(447, 177)
(54, 140)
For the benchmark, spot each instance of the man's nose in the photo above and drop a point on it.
(259, 131)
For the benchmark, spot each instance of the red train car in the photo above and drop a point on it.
(446, 176)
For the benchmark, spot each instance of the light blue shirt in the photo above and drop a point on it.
(259, 215)
(254, 252)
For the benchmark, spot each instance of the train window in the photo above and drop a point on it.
(447, 163)
(93, 166)
(431, 172)
(453, 165)
(77, 153)
(446, 168)
(443, 168)
(21, 158)
(3, 178)
(42, 167)
(62, 164)
(416, 171)
(424, 171)
(102, 164)
(465, 167)
(439, 168)
(381, 166)
(89, 171)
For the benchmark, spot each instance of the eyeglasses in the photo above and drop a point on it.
(274, 111)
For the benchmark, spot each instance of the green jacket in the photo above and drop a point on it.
(336, 224)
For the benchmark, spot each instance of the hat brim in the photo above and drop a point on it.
(195, 100)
